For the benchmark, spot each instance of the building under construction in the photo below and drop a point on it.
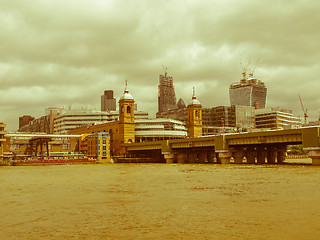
(166, 94)
(248, 92)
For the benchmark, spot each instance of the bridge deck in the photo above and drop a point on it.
(308, 137)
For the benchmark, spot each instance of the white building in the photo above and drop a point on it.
(273, 118)
(71, 119)
(159, 129)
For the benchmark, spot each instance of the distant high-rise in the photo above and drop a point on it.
(166, 94)
(249, 92)
(24, 120)
(108, 103)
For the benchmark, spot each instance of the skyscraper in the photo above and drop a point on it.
(249, 92)
(108, 103)
(166, 94)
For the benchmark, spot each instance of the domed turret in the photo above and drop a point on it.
(194, 100)
(194, 125)
(126, 94)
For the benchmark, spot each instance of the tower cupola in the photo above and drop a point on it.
(194, 100)
(126, 95)
(194, 125)
(126, 117)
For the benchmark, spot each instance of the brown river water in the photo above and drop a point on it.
(160, 201)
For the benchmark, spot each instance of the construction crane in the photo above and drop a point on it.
(305, 111)
(254, 67)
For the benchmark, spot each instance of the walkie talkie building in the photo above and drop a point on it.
(248, 92)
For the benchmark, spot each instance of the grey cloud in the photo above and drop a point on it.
(69, 52)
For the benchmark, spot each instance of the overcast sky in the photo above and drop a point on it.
(66, 53)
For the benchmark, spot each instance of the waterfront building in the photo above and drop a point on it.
(248, 92)
(19, 143)
(194, 125)
(2, 138)
(166, 94)
(99, 146)
(275, 118)
(24, 120)
(108, 102)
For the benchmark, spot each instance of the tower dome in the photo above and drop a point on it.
(194, 100)
(126, 95)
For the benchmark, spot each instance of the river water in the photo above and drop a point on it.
(160, 201)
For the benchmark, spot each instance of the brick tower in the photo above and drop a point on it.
(194, 125)
(126, 118)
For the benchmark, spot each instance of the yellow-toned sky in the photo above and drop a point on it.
(62, 53)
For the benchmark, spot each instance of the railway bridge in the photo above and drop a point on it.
(257, 147)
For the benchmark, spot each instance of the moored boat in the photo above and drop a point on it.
(53, 161)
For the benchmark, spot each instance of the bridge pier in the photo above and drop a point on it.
(182, 157)
(251, 157)
(238, 156)
(169, 157)
(271, 156)
(315, 156)
(192, 158)
(203, 157)
(261, 155)
(211, 157)
(225, 157)
(281, 156)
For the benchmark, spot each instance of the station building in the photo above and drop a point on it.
(128, 129)
(105, 139)
(120, 131)
(159, 129)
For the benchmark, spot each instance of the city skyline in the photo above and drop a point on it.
(60, 54)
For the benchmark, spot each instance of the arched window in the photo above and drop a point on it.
(122, 109)
(196, 114)
(128, 109)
